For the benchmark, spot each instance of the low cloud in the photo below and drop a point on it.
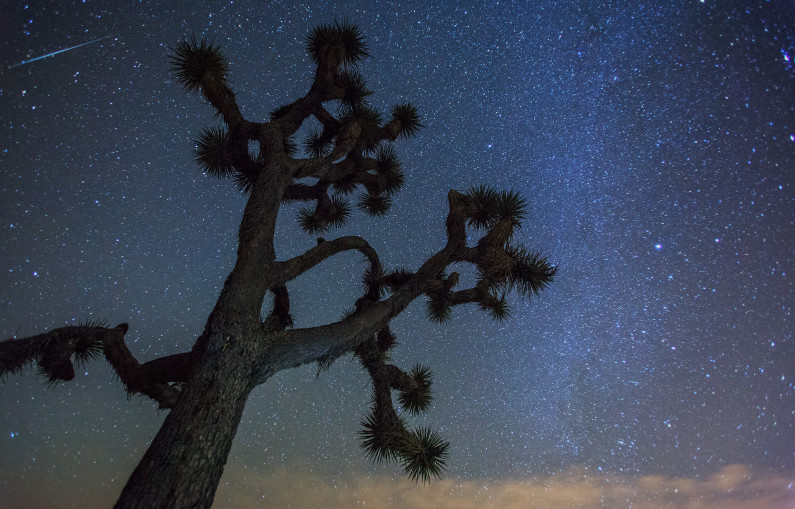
(733, 487)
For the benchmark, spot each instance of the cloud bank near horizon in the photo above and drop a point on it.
(733, 487)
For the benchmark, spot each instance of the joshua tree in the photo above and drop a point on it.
(206, 388)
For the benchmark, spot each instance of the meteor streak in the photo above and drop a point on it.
(56, 52)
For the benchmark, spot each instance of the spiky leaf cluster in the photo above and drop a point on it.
(339, 211)
(509, 216)
(439, 309)
(497, 265)
(381, 441)
(195, 64)
(354, 90)
(311, 222)
(489, 206)
(409, 119)
(496, 306)
(316, 146)
(397, 278)
(515, 267)
(531, 272)
(375, 205)
(369, 120)
(389, 170)
(87, 349)
(245, 178)
(511, 205)
(417, 399)
(335, 38)
(212, 154)
(423, 452)
(366, 116)
(55, 365)
(319, 220)
(483, 206)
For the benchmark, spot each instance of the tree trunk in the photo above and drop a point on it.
(184, 463)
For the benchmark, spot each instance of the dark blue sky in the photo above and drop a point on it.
(655, 143)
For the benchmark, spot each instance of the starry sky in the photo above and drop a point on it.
(654, 141)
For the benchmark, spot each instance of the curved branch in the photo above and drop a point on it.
(296, 266)
(53, 351)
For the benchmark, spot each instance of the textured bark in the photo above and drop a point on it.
(185, 461)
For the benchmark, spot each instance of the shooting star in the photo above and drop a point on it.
(56, 52)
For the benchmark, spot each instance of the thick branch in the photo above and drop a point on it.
(303, 192)
(223, 99)
(53, 351)
(296, 347)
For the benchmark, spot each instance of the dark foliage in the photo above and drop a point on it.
(418, 398)
(439, 309)
(375, 205)
(423, 453)
(340, 37)
(381, 440)
(211, 152)
(195, 64)
(409, 119)
(316, 146)
(390, 174)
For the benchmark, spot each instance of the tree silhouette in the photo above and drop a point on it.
(206, 388)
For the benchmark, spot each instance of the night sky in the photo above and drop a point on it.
(655, 142)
